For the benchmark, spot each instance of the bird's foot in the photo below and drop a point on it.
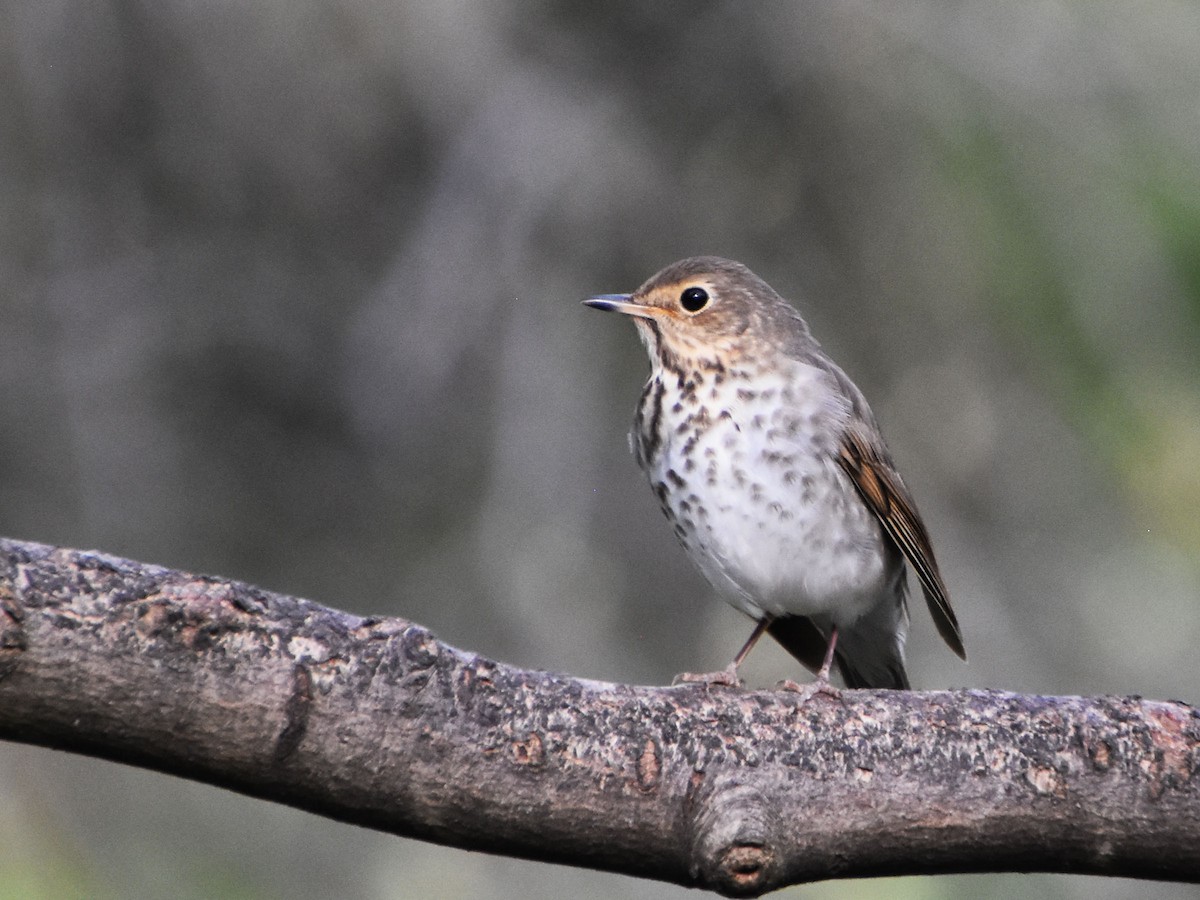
(820, 685)
(810, 690)
(726, 677)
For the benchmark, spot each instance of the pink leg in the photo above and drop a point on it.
(727, 676)
(821, 685)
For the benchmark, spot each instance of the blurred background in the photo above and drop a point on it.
(289, 293)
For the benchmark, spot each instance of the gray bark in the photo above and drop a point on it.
(375, 722)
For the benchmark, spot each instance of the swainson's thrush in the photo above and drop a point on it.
(770, 465)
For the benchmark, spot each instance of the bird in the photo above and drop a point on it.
(770, 465)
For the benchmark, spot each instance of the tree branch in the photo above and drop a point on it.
(373, 721)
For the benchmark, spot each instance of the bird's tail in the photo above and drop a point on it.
(869, 654)
(866, 667)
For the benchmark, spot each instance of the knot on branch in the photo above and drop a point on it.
(735, 845)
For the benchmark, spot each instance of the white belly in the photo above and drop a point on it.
(765, 511)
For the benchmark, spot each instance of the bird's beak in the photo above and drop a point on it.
(623, 304)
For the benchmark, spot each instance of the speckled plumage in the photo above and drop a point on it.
(770, 466)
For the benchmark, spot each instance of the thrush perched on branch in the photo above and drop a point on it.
(770, 465)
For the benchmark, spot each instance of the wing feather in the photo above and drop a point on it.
(880, 486)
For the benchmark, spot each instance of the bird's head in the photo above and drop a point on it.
(704, 307)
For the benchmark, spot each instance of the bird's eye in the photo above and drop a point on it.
(694, 299)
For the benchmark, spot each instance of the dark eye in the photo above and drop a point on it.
(694, 299)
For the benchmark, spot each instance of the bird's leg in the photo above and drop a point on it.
(821, 685)
(729, 675)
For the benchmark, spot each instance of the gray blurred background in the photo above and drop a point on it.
(289, 293)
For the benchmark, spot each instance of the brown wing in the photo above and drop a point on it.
(881, 488)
